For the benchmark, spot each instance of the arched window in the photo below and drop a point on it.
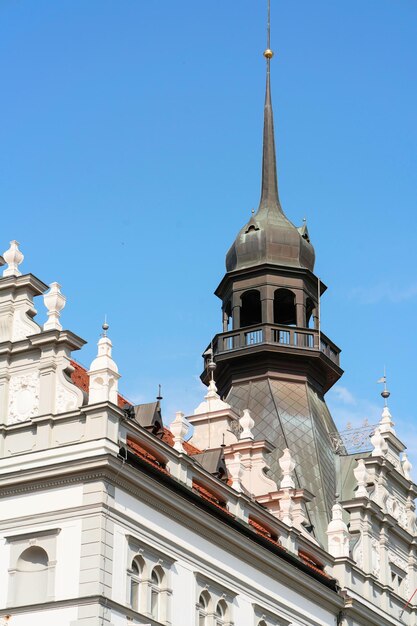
(262, 623)
(155, 585)
(203, 608)
(284, 307)
(221, 613)
(135, 580)
(251, 309)
(32, 576)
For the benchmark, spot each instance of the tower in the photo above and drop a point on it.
(272, 357)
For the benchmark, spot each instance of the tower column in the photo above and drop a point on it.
(236, 302)
(267, 310)
(300, 309)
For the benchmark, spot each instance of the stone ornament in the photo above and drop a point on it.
(406, 466)
(287, 465)
(23, 397)
(54, 301)
(376, 557)
(386, 424)
(338, 534)
(247, 423)
(379, 444)
(13, 258)
(286, 508)
(179, 428)
(236, 471)
(362, 477)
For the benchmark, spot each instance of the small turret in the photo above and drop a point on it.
(103, 373)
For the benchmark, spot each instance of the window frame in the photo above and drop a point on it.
(152, 560)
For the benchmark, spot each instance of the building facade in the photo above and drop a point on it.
(107, 516)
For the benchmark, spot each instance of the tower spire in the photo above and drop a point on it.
(269, 189)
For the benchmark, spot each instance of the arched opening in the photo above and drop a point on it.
(135, 582)
(221, 613)
(204, 602)
(32, 576)
(284, 307)
(251, 308)
(157, 576)
(310, 306)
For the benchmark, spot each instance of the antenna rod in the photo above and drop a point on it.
(268, 29)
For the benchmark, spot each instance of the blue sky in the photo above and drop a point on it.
(130, 157)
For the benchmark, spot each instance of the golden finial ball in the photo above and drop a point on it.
(268, 54)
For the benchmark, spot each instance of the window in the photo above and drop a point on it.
(214, 603)
(203, 608)
(135, 582)
(221, 613)
(148, 580)
(155, 593)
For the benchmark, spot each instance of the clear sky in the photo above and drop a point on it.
(130, 158)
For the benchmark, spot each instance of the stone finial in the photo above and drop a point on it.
(407, 466)
(179, 428)
(386, 425)
(13, 258)
(247, 423)
(338, 534)
(236, 471)
(286, 508)
(54, 301)
(212, 401)
(104, 374)
(287, 465)
(379, 443)
(362, 476)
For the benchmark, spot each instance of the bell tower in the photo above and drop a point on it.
(272, 356)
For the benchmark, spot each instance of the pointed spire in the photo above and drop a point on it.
(269, 188)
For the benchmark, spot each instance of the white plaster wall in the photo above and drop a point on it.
(67, 578)
(249, 583)
(39, 502)
(59, 617)
(4, 570)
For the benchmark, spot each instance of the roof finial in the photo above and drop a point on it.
(269, 189)
(385, 393)
(105, 326)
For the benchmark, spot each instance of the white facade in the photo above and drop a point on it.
(103, 521)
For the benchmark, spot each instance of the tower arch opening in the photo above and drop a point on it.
(284, 307)
(251, 308)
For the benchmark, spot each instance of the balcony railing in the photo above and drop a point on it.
(302, 338)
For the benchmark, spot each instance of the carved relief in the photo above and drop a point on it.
(376, 558)
(23, 397)
(65, 399)
(358, 554)
(68, 396)
(23, 325)
(397, 510)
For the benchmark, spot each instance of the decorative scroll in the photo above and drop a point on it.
(353, 440)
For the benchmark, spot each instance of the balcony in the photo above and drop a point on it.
(274, 334)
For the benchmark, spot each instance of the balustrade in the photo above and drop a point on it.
(291, 336)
